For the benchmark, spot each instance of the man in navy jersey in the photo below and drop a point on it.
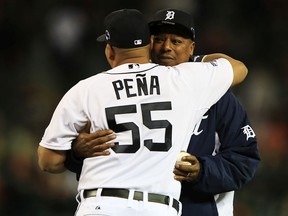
(223, 147)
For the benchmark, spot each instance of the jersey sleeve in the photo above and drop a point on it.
(209, 79)
(238, 157)
(68, 118)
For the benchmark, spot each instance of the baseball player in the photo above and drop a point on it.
(223, 145)
(224, 131)
(145, 104)
(174, 27)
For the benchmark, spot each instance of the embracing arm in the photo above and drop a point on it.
(51, 160)
(240, 71)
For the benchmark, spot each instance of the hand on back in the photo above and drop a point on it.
(93, 144)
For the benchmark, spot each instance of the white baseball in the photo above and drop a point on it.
(179, 159)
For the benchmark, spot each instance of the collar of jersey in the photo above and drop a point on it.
(135, 68)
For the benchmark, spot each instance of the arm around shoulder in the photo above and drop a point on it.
(240, 70)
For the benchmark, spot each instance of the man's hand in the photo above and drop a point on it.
(94, 144)
(187, 172)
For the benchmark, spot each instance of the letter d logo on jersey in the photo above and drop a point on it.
(170, 15)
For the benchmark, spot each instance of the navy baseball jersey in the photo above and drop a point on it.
(230, 159)
(153, 109)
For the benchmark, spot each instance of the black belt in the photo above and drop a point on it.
(138, 195)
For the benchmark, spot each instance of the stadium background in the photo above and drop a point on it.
(47, 46)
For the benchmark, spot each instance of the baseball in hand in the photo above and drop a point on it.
(179, 159)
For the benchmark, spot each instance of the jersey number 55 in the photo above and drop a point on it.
(147, 121)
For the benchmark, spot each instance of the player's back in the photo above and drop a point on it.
(153, 110)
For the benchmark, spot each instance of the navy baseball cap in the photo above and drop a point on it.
(172, 21)
(126, 28)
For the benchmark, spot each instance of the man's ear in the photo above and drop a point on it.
(151, 42)
(110, 54)
(192, 47)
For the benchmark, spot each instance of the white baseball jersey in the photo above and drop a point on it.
(153, 110)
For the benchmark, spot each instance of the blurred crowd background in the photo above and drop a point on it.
(47, 46)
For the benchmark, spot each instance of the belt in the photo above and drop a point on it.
(138, 195)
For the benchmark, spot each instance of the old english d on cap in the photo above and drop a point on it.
(126, 28)
(172, 21)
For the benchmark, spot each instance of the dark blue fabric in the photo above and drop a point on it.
(233, 166)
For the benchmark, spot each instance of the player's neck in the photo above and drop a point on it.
(139, 60)
(140, 56)
(132, 60)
